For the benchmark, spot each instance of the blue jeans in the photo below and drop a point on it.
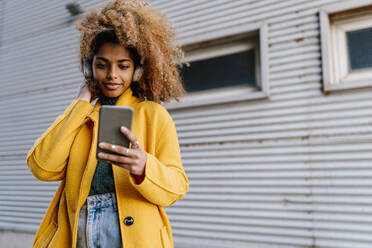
(98, 224)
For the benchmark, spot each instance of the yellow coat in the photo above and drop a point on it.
(67, 152)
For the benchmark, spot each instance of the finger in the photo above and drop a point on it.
(125, 166)
(135, 145)
(118, 149)
(132, 169)
(115, 158)
(131, 137)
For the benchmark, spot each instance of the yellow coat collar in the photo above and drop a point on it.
(126, 99)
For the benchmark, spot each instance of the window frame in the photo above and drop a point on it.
(334, 51)
(233, 40)
(227, 48)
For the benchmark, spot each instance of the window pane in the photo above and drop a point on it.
(360, 48)
(224, 71)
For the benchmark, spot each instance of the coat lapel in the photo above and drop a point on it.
(126, 99)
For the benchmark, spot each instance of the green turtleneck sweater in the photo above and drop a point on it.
(103, 180)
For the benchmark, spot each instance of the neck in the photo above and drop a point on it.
(104, 100)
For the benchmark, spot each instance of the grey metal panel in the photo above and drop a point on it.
(290, 171)
(23, 200)
(39, 76)
(38, 17)
(2, 13)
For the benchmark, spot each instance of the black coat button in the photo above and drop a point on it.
(128, 221)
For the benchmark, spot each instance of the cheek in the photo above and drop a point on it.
(98, 74)
(127, 76)
(130, 75)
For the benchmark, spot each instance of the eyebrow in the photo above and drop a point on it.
(106, 60)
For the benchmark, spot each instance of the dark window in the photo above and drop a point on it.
(360, 48)
(218, 72)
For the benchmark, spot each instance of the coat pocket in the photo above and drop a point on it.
(46, 236)
(165, 239)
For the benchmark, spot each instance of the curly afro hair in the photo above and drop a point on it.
(148, 35)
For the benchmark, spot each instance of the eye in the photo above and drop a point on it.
(100, 66)
(123, 67)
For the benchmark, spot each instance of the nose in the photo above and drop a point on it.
(112, 73)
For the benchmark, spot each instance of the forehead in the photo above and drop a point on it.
(113, 51)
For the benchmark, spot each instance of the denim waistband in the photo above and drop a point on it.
(101, 201)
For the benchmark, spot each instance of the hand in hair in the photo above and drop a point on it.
(84, 93)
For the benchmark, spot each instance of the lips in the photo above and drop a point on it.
(111, 86)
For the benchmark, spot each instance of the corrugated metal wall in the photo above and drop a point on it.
(293, 170)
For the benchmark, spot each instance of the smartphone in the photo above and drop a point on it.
(111, 118)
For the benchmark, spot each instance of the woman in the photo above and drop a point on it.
(129, 58)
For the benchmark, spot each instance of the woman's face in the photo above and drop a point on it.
(113, 69)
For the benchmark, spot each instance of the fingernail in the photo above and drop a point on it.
(100, 155)
(101, 145)
(123, 128)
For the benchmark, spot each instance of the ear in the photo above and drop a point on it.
(138, 72)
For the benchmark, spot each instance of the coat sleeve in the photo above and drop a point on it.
(165, 180)
(48, 157)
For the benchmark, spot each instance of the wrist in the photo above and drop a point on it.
(138, 178)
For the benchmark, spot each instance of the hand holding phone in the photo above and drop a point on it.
(109, 134)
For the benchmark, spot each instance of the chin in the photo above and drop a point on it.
(112, 93)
